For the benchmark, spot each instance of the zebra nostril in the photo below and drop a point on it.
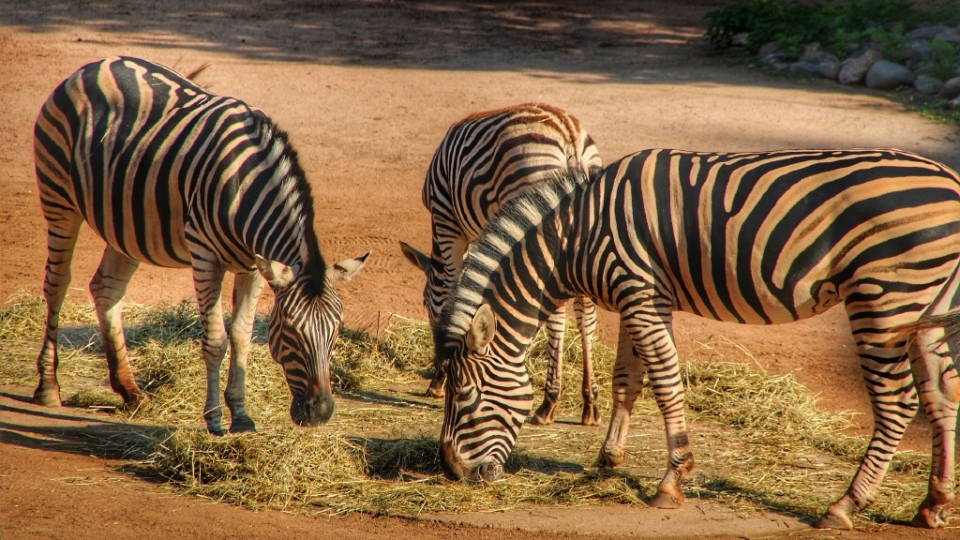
(491, 471)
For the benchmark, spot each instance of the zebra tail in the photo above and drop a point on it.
(949, 322)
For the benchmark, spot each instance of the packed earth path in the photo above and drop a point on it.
(366, 91)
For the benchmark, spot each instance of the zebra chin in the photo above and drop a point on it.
(312, 412)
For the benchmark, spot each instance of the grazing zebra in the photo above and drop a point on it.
(169, 174)
(484, 160)
(759, 238)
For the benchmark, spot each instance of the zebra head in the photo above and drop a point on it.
(488, 396)
(304, 326)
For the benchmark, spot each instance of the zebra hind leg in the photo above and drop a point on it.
(586, 312)
(628, 371)
(246, 292)
(62, 234)
(556, 325)
(108, 286)
(936, 378)
(894, 400)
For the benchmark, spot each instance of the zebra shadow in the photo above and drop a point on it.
(65, 431)
(412, 459)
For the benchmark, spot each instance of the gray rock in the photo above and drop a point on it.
(771, 58)
(950, 35)
(925, 32)
(829, 69)
(951, 88)
(767, 49)
(927, 86)
(740, 40)
(817, 57)
(954, 104)
(853, 70)
(919, 47)
(805, 68)
(887, 75)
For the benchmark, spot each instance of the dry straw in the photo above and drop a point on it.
(760, 440)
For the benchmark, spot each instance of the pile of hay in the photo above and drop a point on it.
(760, 440)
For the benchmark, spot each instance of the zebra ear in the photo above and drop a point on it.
(481, 329)
(418, 259)
(278, 275)
(346, 269)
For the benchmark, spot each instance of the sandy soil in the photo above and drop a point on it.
(366, 91)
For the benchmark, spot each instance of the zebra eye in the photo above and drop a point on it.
(466, 394)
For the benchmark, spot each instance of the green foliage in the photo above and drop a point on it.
(942, 62)
(792, 24)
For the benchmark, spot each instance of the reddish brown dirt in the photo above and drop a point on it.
(366, 91)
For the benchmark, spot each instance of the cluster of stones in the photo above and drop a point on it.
(876, 68)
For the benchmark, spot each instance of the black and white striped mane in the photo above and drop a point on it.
(315, 266)
(507, 227)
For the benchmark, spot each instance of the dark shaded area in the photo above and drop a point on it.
(84, 435)
(497, 35)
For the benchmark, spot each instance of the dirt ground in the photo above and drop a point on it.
(366, 91)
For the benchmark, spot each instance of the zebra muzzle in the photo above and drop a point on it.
(491, 471)
(313, 411)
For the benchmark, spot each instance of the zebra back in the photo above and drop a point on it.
(154, 163)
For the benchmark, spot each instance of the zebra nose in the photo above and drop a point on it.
(491, 471)
(313, 411)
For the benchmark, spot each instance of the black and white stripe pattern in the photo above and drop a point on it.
(169, 174)
(483, 161)
(757, 238)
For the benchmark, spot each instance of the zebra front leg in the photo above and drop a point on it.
(108, 287)
(61, 240)
(628, 372)
(586, 311)
(555, 328)
(208, 282)
(246, 292)
(894, 401)
(935, 376)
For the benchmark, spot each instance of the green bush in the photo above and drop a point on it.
(792, 25)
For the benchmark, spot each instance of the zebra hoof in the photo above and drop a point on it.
(242, 424)
(590, 415)
(135, 401)
(544, 415)
(46, 398)
(930, 517)
(837, 516)
(609, 461)
(667, 501)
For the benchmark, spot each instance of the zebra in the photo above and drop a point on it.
(484, 160)
(756, 238)
(171, 175)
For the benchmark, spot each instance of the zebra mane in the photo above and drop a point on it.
(499, 236)
(314, 265)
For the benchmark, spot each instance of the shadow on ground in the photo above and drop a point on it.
(499, 35)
